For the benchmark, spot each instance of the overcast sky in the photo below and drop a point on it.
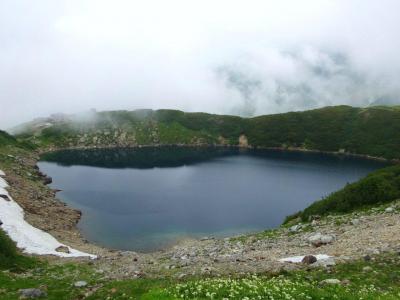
(222, 56)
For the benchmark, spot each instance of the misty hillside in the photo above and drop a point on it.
(371, 131)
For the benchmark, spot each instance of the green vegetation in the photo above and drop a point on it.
(355, 283)
(8, 251)
(373, 131)
(10, 258)
(7, 139)
(376, 188)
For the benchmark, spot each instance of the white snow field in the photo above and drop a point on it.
(29, 239)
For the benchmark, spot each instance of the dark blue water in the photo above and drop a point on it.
(144, 199)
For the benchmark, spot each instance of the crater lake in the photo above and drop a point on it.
(144, 199)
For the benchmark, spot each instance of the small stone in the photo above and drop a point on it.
(327, 239)
(373, 251)
(32, 293)
(182, 275)
(314, 217)
(318, 239)
(80, 284)
(389, 209)
(325, 263)
(309, 259)
(367, 269)
(346, 282)
(330, 281)
(138, 274)
(5, 197)
(47, 180)
(367, 258)
(355, 222)
(295, 228)
(63, 249)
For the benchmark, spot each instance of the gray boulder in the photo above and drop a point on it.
(330, 281)
(309, 259)
(32, 293)
(80, 284)
(325, 263)
(63, 249)
(367, 269)
(295, 228)
(319, 239)
(389, 209)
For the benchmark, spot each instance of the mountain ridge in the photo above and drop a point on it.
(372, 131)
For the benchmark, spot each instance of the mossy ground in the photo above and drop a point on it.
(380, 281)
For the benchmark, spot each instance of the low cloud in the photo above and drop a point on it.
(299, 79)
(238, 57)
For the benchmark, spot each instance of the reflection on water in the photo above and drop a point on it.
(142, 158)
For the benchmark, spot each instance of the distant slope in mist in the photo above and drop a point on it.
(371, 131)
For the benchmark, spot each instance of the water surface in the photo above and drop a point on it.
(145, 199)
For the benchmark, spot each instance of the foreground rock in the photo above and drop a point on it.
(319, 239)
(80, 284)
(63, 249)
(309, 259)
(32, 293)
(330, 281)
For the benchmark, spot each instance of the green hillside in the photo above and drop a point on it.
(7, 139)
(371, 131)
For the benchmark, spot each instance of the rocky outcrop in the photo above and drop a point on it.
(243, 142)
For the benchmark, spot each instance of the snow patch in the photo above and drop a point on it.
(298, 259)
(28, 238)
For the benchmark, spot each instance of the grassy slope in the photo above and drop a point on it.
(305, 284)
(10, 257)
(7, 139)
(371, 131)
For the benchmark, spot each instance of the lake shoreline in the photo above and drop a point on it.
(336, 154)
(65, 229)
(281, 149)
